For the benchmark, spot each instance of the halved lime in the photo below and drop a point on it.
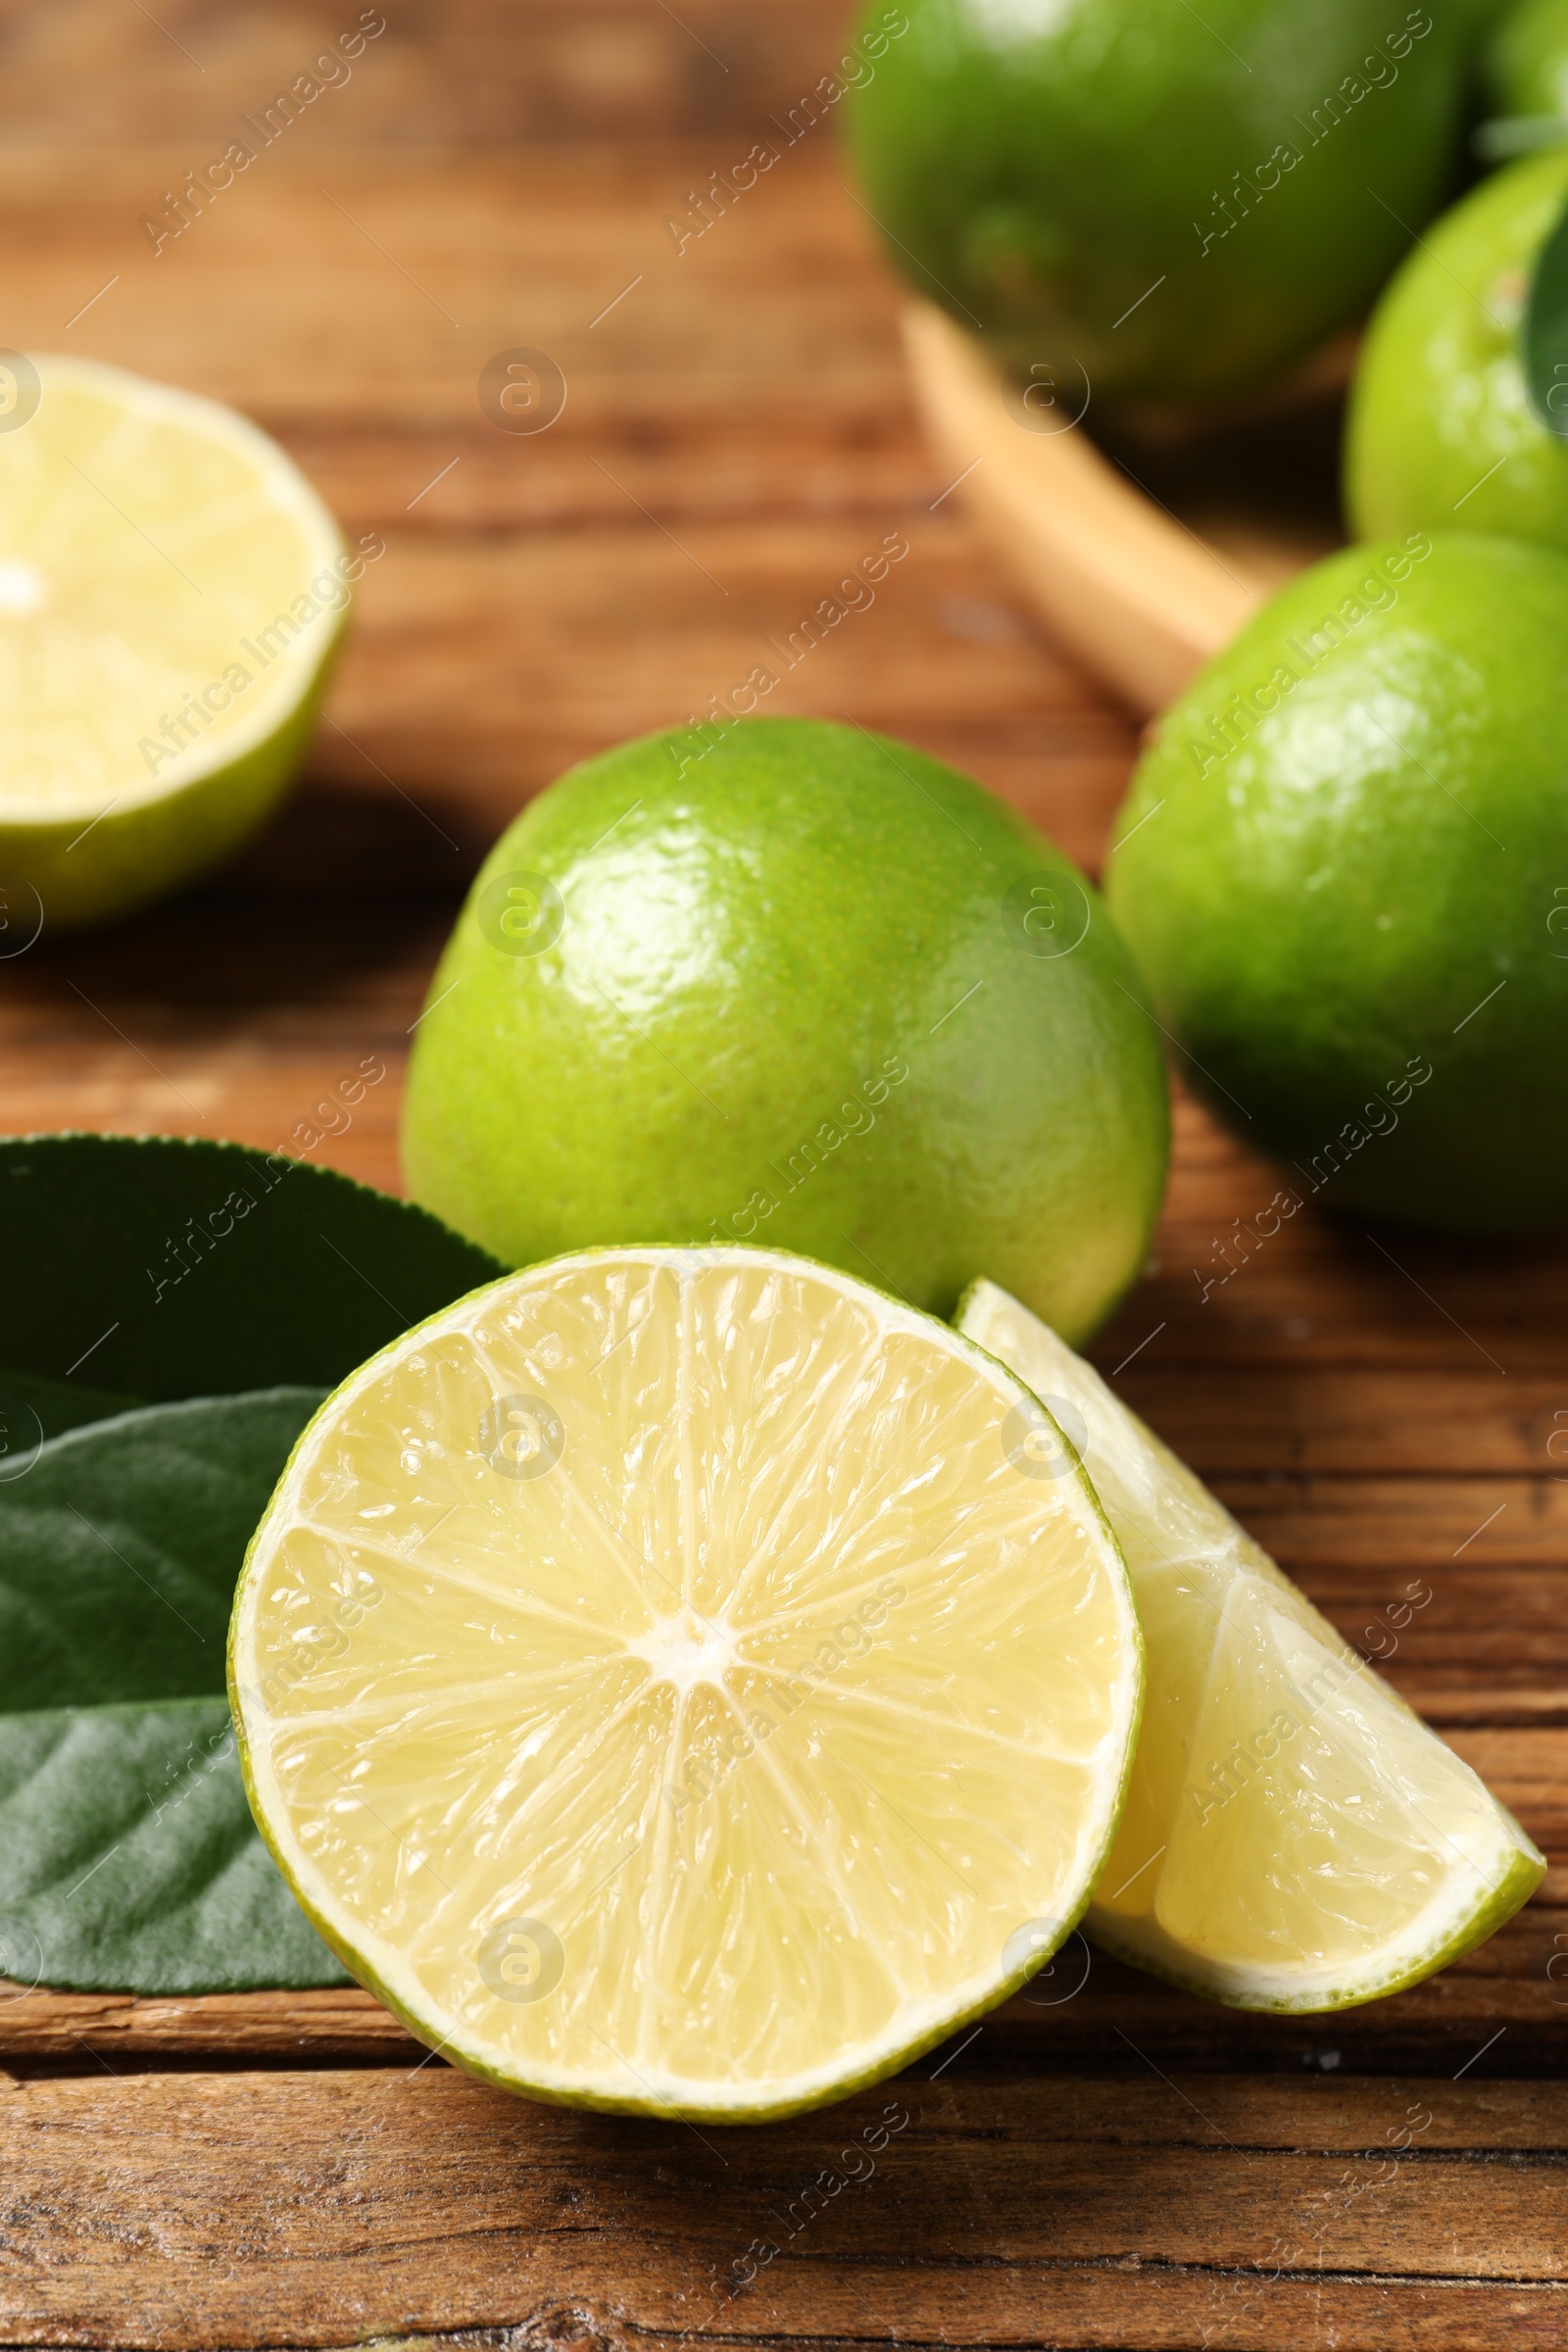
(1295, 1837)
(172, 590)
(663, 1681)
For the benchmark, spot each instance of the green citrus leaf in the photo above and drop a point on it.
(128, 1854)
(138, 1270)
(156, 1268)
(1544, 334)
(130, 1862)
(119, 1549)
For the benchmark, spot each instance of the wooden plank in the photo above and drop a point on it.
(320, 2209)
(81, 2028)
(1132, 2305)
(1323, 1291)
(1405, 1521)
(1338, 1418)
(556, 70)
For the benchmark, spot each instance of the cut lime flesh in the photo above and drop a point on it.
(171, 591)
(662, 1680)
(1295, 1837)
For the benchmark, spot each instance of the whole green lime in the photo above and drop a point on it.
(1441, 435)
(1137, 196)
(1343, 870)
(792, 983)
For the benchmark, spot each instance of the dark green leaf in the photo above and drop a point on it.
(165, 1268)
(1544, 335)
(156, 1269)
(128, 1854)
(128, 1860)
(120, 1546)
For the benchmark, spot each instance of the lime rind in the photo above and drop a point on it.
(162, 844)
(1523, 1868)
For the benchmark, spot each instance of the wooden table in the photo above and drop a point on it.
(1125, 2166)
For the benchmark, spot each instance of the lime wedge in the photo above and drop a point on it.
(1295, 1837)
(172, 590)
(660, 1679)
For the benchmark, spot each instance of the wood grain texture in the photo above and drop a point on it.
(978, 2208)
(480, 71)
(1106, 2162)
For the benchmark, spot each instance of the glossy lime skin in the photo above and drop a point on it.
(1039, 167)
(1526, 63)
(1441, 433)
(1373, 880)
(781, 994)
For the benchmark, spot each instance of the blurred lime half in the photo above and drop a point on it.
(171, 591)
